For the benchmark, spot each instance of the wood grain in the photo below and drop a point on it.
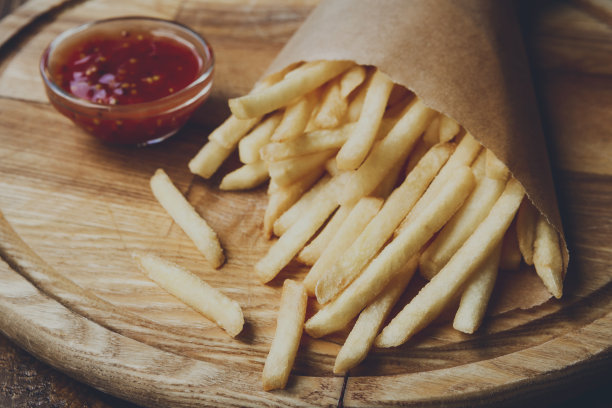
(83, 206)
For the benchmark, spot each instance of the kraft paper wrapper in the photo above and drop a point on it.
(464, 58)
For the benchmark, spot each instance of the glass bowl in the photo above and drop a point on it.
(128, 80)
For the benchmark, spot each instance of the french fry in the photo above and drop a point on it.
(288, 171)
(298, 234)
(495, 168)
(526, 221)
(416, 154)
(356, 103)
(332, 108)
(464, 155)
(361, 336)
(208, 160)
(245, 177)
(448, 128)
(430, 138)
(389, 152)
(232, 131)
(250, 145)
(351, 79)
(289, 326)
(547, 257)
(283, 198)
(331, 168)
(434, 296)
(388, 184)
(193, 291)
(196, 228)
(510, 258)
(290, 216)
(456, 213)
(432, 134)
(381, 228)
(389, 262)
(479, 166)
(311, 252)
(311, 142)
(295, 118)
(477, 293)
(459, 228)
(260, 102)
(356, 148)
(350, 229)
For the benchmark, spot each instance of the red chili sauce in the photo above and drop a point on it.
(128, 68)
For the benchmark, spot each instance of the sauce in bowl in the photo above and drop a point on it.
(127, 68)
(130, 80)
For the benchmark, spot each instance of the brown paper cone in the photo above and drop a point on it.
(464, 58)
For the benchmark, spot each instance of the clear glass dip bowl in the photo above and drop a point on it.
(108, 118)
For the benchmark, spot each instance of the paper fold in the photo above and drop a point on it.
(463, 58)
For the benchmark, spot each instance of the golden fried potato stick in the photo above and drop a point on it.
(298, 234)
(289, 326)
(461, 226)
(208, 160)
(547, 257)
(510, 258)
(290, 216)
(288, 171)
(434, 296)
(495, 168)
(416, 154)
(464, 155)
(332, 108)
(356, 102)
(296, 117)
(526, 221)
(223, 140)
(234, 129)
(283, 198)
(311, 142)
(351, 79)
(292, 86)
(432, 134)
(389, 152)
(348, 265)
(193, 291)
(251, 144)
(389, 262)
(311, 252)
(331, 168)
(448, 128)
(429, 138)
(479, 165)
(354, 224)
(388, 184)
(320, 189)
(230, 132)
(477, 293)
(359, 144)
(362, 335)
(248, 176)
(196, 228)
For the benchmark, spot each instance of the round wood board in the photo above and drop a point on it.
(79, 302)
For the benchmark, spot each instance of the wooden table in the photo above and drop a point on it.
(570, 45)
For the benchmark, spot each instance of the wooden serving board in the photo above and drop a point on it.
(79, 303)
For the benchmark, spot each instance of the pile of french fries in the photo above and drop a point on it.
(367, 185)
